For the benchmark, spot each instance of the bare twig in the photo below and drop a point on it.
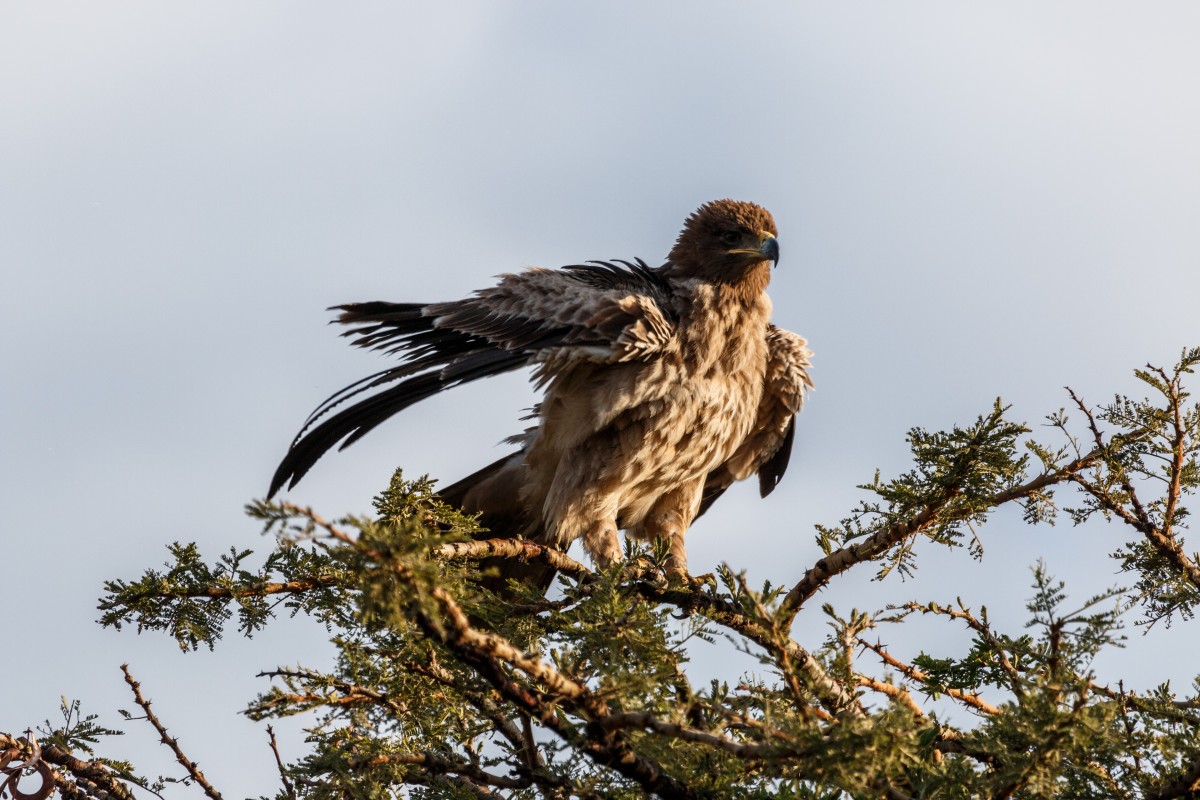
(288, 788)
(192, 768)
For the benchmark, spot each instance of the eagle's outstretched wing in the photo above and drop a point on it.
(599, 312)
(768, 447)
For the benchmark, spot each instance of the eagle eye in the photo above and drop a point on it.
(731, 237)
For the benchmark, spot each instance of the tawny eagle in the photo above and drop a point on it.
(662, 386)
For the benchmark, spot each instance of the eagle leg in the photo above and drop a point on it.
(602, 542)
(669, 519)
(590, 515)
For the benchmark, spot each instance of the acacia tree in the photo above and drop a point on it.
(444, 689)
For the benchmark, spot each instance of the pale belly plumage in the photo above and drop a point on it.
(641, 465)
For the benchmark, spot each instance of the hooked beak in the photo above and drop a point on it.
(770, 249)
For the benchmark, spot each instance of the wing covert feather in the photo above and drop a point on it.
(597, 312)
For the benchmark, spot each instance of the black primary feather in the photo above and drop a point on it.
(771, 472)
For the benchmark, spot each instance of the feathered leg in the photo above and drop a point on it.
(669, 519)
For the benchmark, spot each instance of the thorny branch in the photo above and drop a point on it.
(936, 512)
(520, 740)
(261, 588)
(1177, 709)
(893, 691)
(170, 741)
(917, 676)
(492, 655)
(288, 788)
(984, 630)
(490, 652)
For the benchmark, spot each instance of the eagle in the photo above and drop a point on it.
(661, 387)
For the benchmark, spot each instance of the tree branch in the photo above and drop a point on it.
(288, 788)
(1166, 544)
(503, 725)
(192, 769)
(522, 549)
(973, 622)
(80, 771)
(837, 562)
(440, 765)
(1161, 539)
(1185, 785)
(488, 651)
(892, 691)
(834, 696)
(1176, 709)
(255, 589)
(351, 693)
(914, 674)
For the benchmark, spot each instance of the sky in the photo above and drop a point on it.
(974, 201)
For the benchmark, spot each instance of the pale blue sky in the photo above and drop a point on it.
(973, 200)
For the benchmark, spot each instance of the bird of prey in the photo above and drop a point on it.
(662, 386)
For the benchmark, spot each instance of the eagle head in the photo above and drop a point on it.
(725, 241)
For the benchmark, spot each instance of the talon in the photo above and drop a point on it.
(677, 576)
(638, 569)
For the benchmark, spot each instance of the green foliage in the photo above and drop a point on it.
(956, 478)
(77, 731)
(192, 600)
(1145, 470)
(443, 688)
